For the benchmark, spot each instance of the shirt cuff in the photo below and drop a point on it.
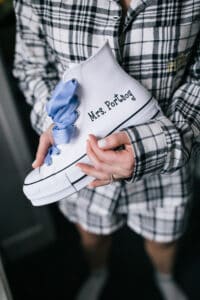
(40, 123)
(149, 148)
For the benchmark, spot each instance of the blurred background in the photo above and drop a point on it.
(40, 253)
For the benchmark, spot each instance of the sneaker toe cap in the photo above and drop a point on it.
(32, 177)
(31, 187)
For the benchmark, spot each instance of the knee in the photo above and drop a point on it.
(152, 246)
(91, 241)
(162, 255)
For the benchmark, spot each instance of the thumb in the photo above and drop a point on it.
(42, 150)
(114, 140)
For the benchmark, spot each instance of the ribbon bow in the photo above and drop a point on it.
(62, 109)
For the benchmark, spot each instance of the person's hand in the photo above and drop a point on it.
(46, 140)
(107, 163)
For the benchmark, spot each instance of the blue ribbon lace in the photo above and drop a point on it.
(62, 109)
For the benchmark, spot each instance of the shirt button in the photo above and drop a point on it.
(116, 17)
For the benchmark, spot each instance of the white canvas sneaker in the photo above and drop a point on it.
(110, 100)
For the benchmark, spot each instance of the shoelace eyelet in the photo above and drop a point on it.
(59, 151)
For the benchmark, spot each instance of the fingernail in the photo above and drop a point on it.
(102, 143)
(89, 187)
(34, 162)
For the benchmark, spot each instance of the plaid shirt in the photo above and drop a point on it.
(156, 42)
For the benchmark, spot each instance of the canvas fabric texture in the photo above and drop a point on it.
(157, 43)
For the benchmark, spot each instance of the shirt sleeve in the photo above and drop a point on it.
(34, 64)
(164, 144)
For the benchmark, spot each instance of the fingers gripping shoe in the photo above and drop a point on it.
(109, 100)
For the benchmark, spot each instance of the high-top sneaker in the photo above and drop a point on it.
(109, 100)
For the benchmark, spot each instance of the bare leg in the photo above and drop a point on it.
(96, 248)
(162, 256)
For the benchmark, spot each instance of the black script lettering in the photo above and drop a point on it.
(97, 114)
(132, 96)
(92, 116)
(100, 112)
(111, 104)
(116, 98)
(108, 104)
(122, 98)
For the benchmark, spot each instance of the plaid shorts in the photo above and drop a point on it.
(156, 207)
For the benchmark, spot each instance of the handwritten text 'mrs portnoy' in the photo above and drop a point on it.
(109, 105)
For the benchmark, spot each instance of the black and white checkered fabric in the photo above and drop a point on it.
(156, 42)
